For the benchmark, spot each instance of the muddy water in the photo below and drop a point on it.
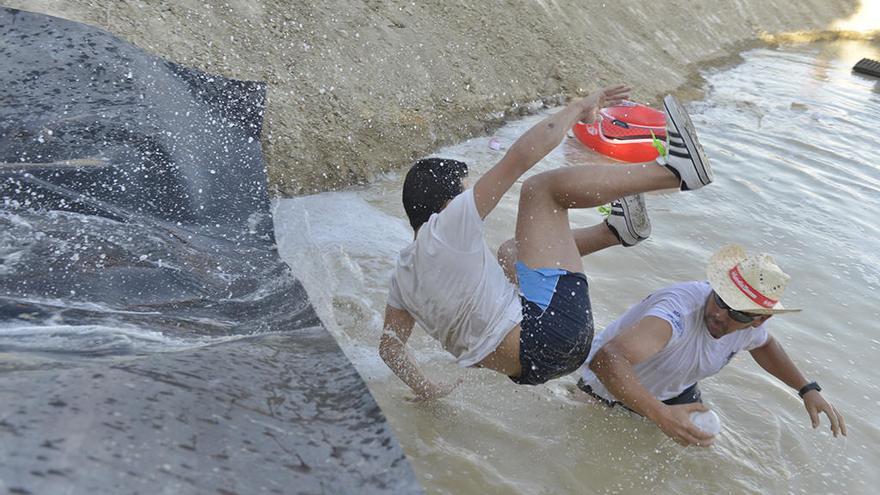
(793, 138)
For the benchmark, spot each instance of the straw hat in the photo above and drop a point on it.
(753, 284)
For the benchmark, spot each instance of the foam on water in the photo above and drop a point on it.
(338, 246)
(49, 334)
(96, 340)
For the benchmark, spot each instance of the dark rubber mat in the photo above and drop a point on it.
(133, 207)
(868, 67)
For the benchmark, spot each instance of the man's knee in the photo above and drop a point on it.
(541, 191)
(535, 186)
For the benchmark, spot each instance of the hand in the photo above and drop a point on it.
(815, 403)
(606, 97)
(433, 391)
(676, 423)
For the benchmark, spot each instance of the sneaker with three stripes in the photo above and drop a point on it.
(685, 156)
(628, 220)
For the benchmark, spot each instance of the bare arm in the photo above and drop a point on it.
(534, 145)
(392, 348)
(614, 366)
(774, 360)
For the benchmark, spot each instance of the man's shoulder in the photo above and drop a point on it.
(679, 304)
(685, 293)
(462, 204)
(458, 225)
(690, 286)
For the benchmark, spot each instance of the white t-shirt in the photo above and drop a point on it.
(691, 354)
(453, 286)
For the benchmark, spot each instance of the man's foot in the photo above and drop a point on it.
(629, 220)
(685, 155)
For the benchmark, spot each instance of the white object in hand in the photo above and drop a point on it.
(707, 421)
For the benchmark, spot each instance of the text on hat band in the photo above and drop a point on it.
(749, 291)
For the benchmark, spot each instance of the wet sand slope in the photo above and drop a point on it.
(359, 87)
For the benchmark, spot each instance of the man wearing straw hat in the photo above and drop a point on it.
(651, 359)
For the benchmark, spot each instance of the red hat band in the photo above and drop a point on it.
(750, 292)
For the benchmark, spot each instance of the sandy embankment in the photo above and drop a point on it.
(357, 87)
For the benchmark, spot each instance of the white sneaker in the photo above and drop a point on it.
(629, 220)
(685, 156)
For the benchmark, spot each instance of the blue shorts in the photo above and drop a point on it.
(557, 325)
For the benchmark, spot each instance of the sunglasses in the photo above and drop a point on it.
(734, 314)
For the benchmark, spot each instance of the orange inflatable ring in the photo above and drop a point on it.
(623, 132)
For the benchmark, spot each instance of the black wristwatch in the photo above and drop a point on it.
(810, 386)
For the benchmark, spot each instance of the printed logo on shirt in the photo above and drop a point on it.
(677, 324)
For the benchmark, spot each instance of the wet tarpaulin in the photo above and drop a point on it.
(151, 339)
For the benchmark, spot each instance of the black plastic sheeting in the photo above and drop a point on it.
(151, 339)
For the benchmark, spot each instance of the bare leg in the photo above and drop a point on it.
(505, 358)
(588, 240)
(544, 238)
(596, 238)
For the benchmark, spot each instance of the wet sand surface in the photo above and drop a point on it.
(357, 88)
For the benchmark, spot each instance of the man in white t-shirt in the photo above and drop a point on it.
(449, 281)
(652, 357)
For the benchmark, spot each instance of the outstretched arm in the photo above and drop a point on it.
(534, 145)
(773, 358)
(392, 348)
(614, 366)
